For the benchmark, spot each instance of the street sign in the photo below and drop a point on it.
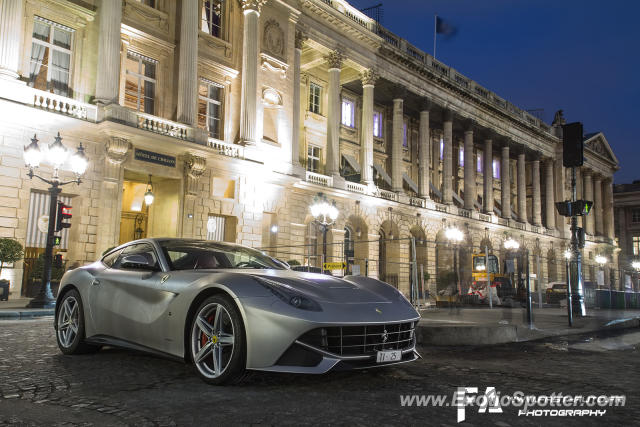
(334, 265)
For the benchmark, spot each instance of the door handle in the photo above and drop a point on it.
(95, 282)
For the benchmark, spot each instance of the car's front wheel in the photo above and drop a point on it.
(217, 347)
(70, 325)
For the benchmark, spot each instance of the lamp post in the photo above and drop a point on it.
(455, 236)
(325, 214)
(512, 245)
(56, 155)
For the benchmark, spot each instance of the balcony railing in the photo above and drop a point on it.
(319, 179)
(225, 149)
(63, 105)
(389, 195)
(356, 187)
(164, 127)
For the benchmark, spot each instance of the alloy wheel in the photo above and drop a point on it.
(68, 322)
(212, 340)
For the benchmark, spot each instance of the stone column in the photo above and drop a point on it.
(188, 63)
(487, 183)
(368, 78)
(295, 120)
(249, 88)
(597, 205)
(622, 238)
(396, 145)
(107, 80)
(447, 159)
(549, 204)
(522, 188)
(11, 15)
(505, 180)
(424, 154)
(588, 195)
(608, 208)
(536, 206)
(469, 171)
(435, 160)
(108, 233)
(333, 114)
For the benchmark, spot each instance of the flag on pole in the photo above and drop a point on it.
(441, 26)
(445, 28)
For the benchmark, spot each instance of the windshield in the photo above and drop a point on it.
(215, 255)
(478, 264)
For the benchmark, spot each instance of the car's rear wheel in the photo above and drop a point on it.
(217, 346)
(70, 332)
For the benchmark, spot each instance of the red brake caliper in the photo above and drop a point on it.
(203, 337)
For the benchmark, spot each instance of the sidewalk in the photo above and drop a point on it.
(16, 309)
(484, 326)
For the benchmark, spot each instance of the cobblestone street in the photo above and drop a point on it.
(40, 386)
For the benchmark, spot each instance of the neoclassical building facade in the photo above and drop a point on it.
(237, 113)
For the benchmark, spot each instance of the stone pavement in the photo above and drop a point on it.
(40, 386)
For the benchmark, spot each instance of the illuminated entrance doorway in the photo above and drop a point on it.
(139, 219)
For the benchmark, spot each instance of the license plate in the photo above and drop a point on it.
(388, 356)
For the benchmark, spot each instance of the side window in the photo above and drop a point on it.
(143, 249)
(109, 259)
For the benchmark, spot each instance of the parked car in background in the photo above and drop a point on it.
(556, 291)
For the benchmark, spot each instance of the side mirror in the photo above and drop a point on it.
(136, 261)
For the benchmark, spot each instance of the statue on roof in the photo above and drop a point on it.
(558, 119)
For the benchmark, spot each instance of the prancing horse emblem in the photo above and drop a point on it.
(385, 336)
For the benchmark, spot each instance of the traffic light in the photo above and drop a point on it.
(63, 214)
(577, 208)
(57, 240)
(58, 261)
(572, 145)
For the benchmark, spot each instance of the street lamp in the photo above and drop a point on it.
(567, 254)
(148, 195)
(455, 236)
(325, 213)
(56, 155)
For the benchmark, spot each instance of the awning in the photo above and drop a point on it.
(410, 182)
(435, 191)
(383, 174)
(352, 162)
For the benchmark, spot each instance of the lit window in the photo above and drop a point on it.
(496, 168)
(479, 162)
(348, 113)
(461, 156)
(405, 141)
(140, 83)
(211, 16)
(210, 108)
(636, 245)
(223, 188)
(635, 215)
(377, 124)
(50, 65)
(313, 158)
(314, 98)
(441, 148)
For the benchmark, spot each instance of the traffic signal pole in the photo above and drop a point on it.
(45, 298)
(575, 264)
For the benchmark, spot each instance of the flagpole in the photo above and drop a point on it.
(435, 27)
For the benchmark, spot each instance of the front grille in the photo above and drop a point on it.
(362, 340)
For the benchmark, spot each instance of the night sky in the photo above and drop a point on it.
(581, 56)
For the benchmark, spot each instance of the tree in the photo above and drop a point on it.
(10, 251)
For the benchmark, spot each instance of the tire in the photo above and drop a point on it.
(69, 325)
(217, 344)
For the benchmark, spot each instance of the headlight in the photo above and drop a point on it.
(288, 295)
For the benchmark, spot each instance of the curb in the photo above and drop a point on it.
(502, 334)
(25, 314)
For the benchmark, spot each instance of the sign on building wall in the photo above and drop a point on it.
(157, 158)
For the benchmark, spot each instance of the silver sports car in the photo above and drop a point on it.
(228, 308)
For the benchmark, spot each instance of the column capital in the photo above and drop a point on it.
(252, 5)
(447, 116)
(335, 58)
(586, 172)
(301, 37)
(368, 76)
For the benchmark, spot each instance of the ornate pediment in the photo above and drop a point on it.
(597, 144)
